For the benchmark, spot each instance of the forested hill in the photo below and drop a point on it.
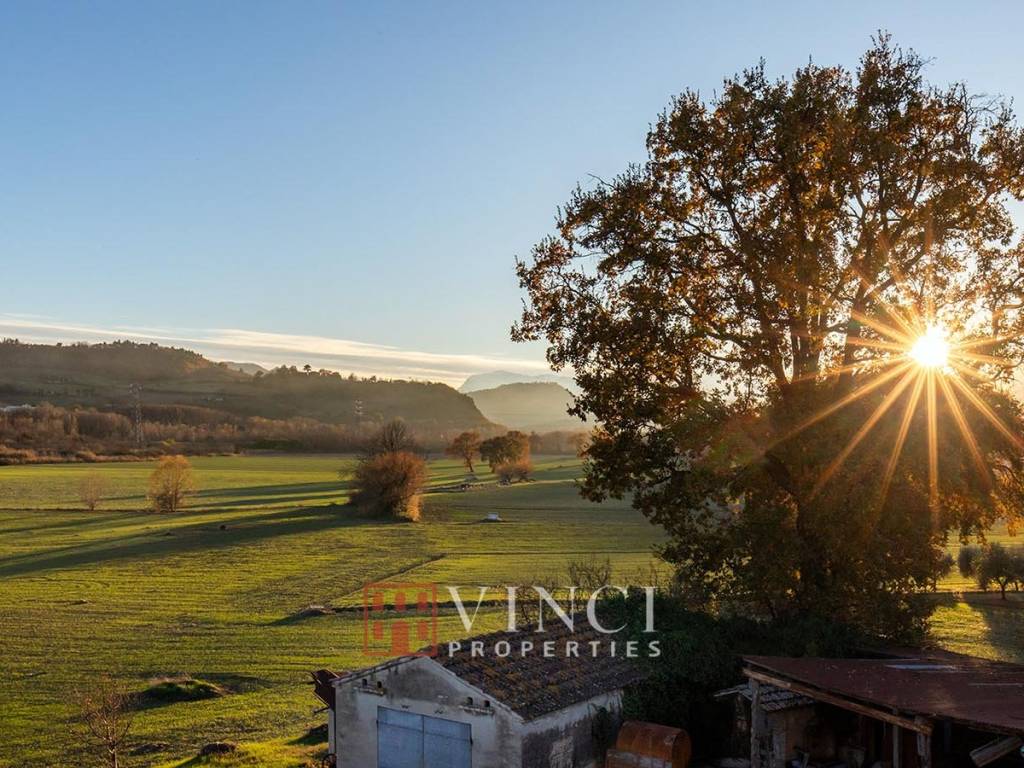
(101, 376)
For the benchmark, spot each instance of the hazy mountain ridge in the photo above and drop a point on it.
(493, 379)
(250, 368)
(529, 406)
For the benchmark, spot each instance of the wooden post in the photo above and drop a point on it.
(924, 746)
(897, 746)
(757, 727)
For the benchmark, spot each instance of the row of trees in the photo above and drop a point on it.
(993, 564)
(508, 455)
(46, 432)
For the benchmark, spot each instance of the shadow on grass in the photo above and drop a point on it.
(194, 537)
(84, 518)
(255, 495)
(281, 489)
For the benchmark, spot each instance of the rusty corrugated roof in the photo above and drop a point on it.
(987, 695)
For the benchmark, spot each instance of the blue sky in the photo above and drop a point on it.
(349, 184)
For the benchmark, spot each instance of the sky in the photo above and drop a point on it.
(349, 184)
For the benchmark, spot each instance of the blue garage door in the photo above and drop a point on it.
(407, 740)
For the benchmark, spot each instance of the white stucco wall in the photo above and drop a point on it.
(564, 739)
(422, 687)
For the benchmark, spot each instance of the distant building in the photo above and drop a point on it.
(479, 711)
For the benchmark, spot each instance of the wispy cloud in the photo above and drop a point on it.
(271, 349)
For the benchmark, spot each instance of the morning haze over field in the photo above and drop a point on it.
(701, 317)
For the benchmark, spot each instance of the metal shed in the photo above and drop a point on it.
(922, 706)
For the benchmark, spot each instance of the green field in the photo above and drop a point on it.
(213, 592)
(147, 596)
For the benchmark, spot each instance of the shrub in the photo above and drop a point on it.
(91, 490)
(967, 561)
(389, 484)
(170, 482)
(590, 574)
(106, 714)
(512, 471)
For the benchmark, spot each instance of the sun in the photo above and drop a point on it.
(931, 349)
(918, 363)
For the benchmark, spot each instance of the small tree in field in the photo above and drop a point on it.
(998, 566)
(91, 490)
(106, 709)
(170, 482)
(967, 561)
(993, 564)
(466, 447)
(509, 448)
(389, 484)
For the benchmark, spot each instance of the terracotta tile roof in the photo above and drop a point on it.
(533, 685)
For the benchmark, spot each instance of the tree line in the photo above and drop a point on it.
(54, 433)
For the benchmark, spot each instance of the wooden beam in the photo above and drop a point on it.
(917, 726)
(992, 751)
(758, 729)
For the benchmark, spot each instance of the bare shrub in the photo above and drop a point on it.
(170, 482)
(389, 484)
(590, 574)
(91, 490)
(393, 437)
(106, 709)
(528, 604)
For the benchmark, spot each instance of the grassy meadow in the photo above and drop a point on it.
(216, 592)
(213, 592)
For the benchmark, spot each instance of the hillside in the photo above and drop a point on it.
(101, 376)
(251, 368)
(536, 407)
(492, 379)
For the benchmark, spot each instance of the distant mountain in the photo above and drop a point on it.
(532, 406)
(251, 368)
(494, 379)
(103, 376)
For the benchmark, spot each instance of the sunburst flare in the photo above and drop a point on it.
(918, 356)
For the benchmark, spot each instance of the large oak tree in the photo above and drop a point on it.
(738, 310)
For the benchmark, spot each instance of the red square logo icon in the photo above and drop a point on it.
(399, 619)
